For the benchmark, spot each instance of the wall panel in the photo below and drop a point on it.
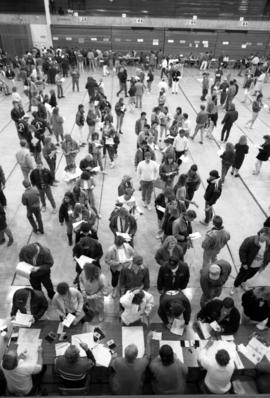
(187, 41)
(16, 39)
(124, 39)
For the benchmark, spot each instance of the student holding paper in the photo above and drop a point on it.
(123, 222)
(29, 301)
(161, 202)
(174, 305)
(169, 248)
(134, 275)
(68, 300)
(137, 305)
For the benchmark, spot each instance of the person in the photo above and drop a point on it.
(57, 125)
(91, 86)
(256, 107)
(31, 199)
(182, 228)
(120, 110)
(229, 119)
(176, 76)
(212, 280)
(110, 140)
(89, 247)
(180, 145)
(169, 248)
(201, 120)
(147, 173)
(79, 121)
(173, 276)
(72, 369)
(43, 179)
(118, 256)
(256, 305)
(263, 155)
(212, 193)
(168, 170)
(41, 258)
(135, 275)
(262, 376)
(91, 120)
(140, 123)
(227, 159)
(138, 305)
(139, 86)
(93, 287)
(128, 372)
(174, 305)
(241, 149)
(68, 300)
(141, 152)
(4, 229)
(125, 183)
(49, 152)
(223, 312)
(161, 202)
(168, 373)
(231, 92)
(3, 200)
(18, 373)
(193, 181)
(205, 86)
(219, 365)
(215, 239)
(59, 84)
(123, 222)
(75, 75)
(70, 150)
(122, 77)
(29, 301)
(254, 254)
(25, 160)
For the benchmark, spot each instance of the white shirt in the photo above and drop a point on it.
(186, 125)
(147, 171)
(16, 97)
(133, 312)
(180, 143)
(218, 378)
(163, 84)
(19, 380)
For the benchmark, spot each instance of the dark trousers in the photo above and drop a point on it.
(208, 213)
(48, 192)
(51, 164)
(36, 224)
(60, 92)
(147, 189)
(244, 275)
(75, 83)
(224, 170)
(45, 279)
(123, 87)
(115, 278)
(178, 154)
(225, 131)
(3, 199)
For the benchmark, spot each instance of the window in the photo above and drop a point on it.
(140, 40)
(155, 42)
(170, 41)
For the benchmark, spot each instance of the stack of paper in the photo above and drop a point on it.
(68, 320)
(178, 327)
(205, 328)
(195, 235)
(23, 320)
(102, 355)
(83, 260)
(254, 351)
(175, 345)
(76, 225)
(24, 269)
(133, 335)
(157, 336)
(160, 208)
(86, 338)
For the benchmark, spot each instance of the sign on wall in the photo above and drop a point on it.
(41, 35)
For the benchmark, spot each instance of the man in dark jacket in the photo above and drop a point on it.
(123, 222)
(122, 77)
(41, 258)
(212, 193)
(254, 255)
(43, 179)
(139, 124)
(88, 247)
(230, 117)
(3, 200)
(173, 276)
(136, 275)
(223, 312)
(213, 278)
(31, 200)
(174, 304)
(214, 241)
(26, 299)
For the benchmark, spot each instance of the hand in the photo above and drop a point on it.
(40, 349)
(149, 335)
(23, 355)
(84, 346)
(244, 266)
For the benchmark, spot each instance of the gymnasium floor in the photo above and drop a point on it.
(243, 205)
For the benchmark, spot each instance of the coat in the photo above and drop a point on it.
(166, 303)
(212, 192)
(44, 260)
(229, 118)
(47, 177)
(129, 225)
(213, 288)
(255, 308)
(249, 249)
(3, 221)
(166, 280)
(264, 153)
(215, 239)
(240, 153)
(162, 255)
(38, 303)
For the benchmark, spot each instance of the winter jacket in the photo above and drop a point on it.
(213, 288)
(38, 302)
(168, 300)
(215, 239)
(166, 280)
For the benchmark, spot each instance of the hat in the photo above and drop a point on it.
(266, 137)
(214, 174)
(214, 272)
(126, 178)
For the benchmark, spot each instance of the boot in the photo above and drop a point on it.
(70, 240)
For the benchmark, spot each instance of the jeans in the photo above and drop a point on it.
(3, 199)
(48, 192)
(36, 225)
(147, 189)
(224, 171)
(111, 152)
(75, 83)
(45, 279)
(244, 274)
(139, 101)
(115, 277)
(225, 132)
(119, 121)
(208, 213)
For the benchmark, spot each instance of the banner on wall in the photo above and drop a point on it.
(41, 35)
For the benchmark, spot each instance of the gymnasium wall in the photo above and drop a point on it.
(15, 39)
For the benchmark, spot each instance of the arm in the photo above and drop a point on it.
(187, 312)
(160, 280)
(43, 305)
(243, 251)
(159, 257)
(146, 281)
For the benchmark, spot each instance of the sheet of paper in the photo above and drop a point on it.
(176, 347)
(157, 336)
(68, 320)
(204, 327)
(195, 235)
(184, 158)
(109, 141)
(160, 208)
(228, 337)
(102, 355)
(133, 335)
(178, 327)
(124, 235)
(30, 350)
(60, 348)
(76, 225)
(28, 335)
(24, 269)
(122, 256)
(24, 320)
(82, 260)
(87, 338)
(254, 351)
(215, 326)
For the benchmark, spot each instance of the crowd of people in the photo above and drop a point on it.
(164, 138)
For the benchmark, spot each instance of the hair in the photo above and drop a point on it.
(222, 357)
(156, 109)
(181, 131)
(119, 240)
(242, 140)
(55, 110)
(169, 193)
(262, 292)
(182, 180)
(62, 288)
(265, 231)
(229, 147)
(217, 221)
(202, 107)
(138, 298)
(185, 115)
(267, 138)
(177, 310)
(179, 109)
(91, 271)
(228, 302)
(72, 354)
(194, 167)
(26, 183)
(168, 240)
(232, 107)
(143, 114)
(147, 153)
(23, 143)
(80, 107)
(137, 259)
(131, 352)
(166, 355)
(191, 214)
(10, 360)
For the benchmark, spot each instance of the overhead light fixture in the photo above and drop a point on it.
(124, 15)
(3, 331)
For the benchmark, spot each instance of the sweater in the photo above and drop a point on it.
(30, 198)
(215, 239)
(167, 280)
(147, 171)
(167, 301)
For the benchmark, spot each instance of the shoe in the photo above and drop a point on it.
(232, 291)
(40, 232)
(237, 175)
(232, 173)
(192, 138)
(43, 209)
(200, 142)
(204, 223)
(35, 231)
(149, 207)
(57, 144)
(54, 211)
(2, 241)
(120, 132)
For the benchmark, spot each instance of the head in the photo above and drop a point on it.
(72, 354)
(39, 165)
(177, 310)
(222, 358)
(91, 271)
(81, 108)
(227, 306)
(217, 221)
(243, 140)
(170, 242)
(22, 296)
(68, 197)
(179, 110)
(119, 241)
(67, 138)
(166, 355)
(185, 116)
(173, 262)
(191, 215)
(214, 272)
(137, 260)
(123, 213)
(182, 180)
(131, 352)
(10, 360)
(138, 298)
(229, 147)
(169, 194)
(264, 235)
(147, 157)
(262, 292)
(143, 115)
(267, 139)
(213, 175)
(62, 288)
(26, 184)
(23, 144)
(193, 169)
